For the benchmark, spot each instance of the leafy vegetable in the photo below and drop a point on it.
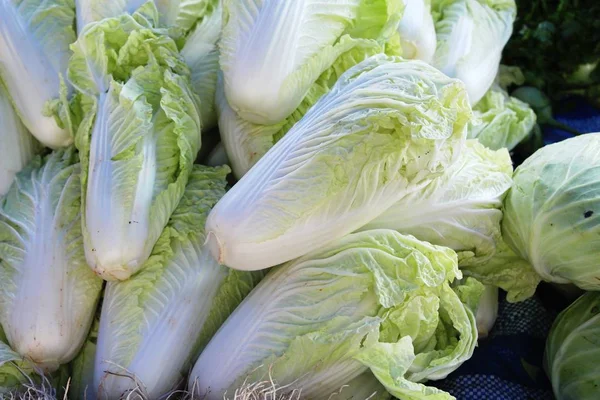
(552, 215)
(153, 324)
(138, 137)
(202, 56)
(246, 142)
(34, 52)
(18, 146)
(81, 370)
(285, 46)
(501, 121)
(89, 11)
(352, 156)
(487, 312)
(374, 299)
(507, 271)
(417, 31)
(570, 358)
(459, 209)
(48, 293)
(14, 369)
(470, 37)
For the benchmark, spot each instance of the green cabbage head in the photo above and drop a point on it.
(552, 212)
(571, 360)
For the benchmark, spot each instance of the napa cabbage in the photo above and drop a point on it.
(470, 37)
(138, 137)
(48, 294)
(153, 325)
(386, 129)
(34, 53)
(373, 300)
(272, 52)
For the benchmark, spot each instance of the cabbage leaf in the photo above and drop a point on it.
(417, 31)
(18, 146)
(501, 121)
(460, 209)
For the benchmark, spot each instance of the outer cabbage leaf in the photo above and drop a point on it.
(460, 209)
(487, 312)
(417, 31)
(501, 121)
(48, 294)
(507, 271)
(34, 51)
(81, 369)
(186, 14)
(470, 37)
(138, 138)
(317, 322)
(571, 353)
(217, 156)
(407, 353)
(387, 128)
(14, 370)
(272, 51)
(18, 146)
(153, 324)
(552, 212)
(364, 386)
(202, 56)
(247, 142)
(95, 10)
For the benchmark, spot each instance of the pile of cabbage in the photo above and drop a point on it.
(360, 252)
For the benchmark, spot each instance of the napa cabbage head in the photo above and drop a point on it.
(153, 325)
(34, 53)
(352, 156)
(570, 357)
(470, 37)
(196, 26)
(41, 252)
(375, 300)
(552, 212)
(273, 51)
(18, 145)
(417, 31)
(460, 209)
(138, 136)
(501, 121)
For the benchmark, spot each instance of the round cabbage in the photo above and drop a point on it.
(572, 350)
(552, 212)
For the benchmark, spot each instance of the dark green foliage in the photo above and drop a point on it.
(551, 40)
